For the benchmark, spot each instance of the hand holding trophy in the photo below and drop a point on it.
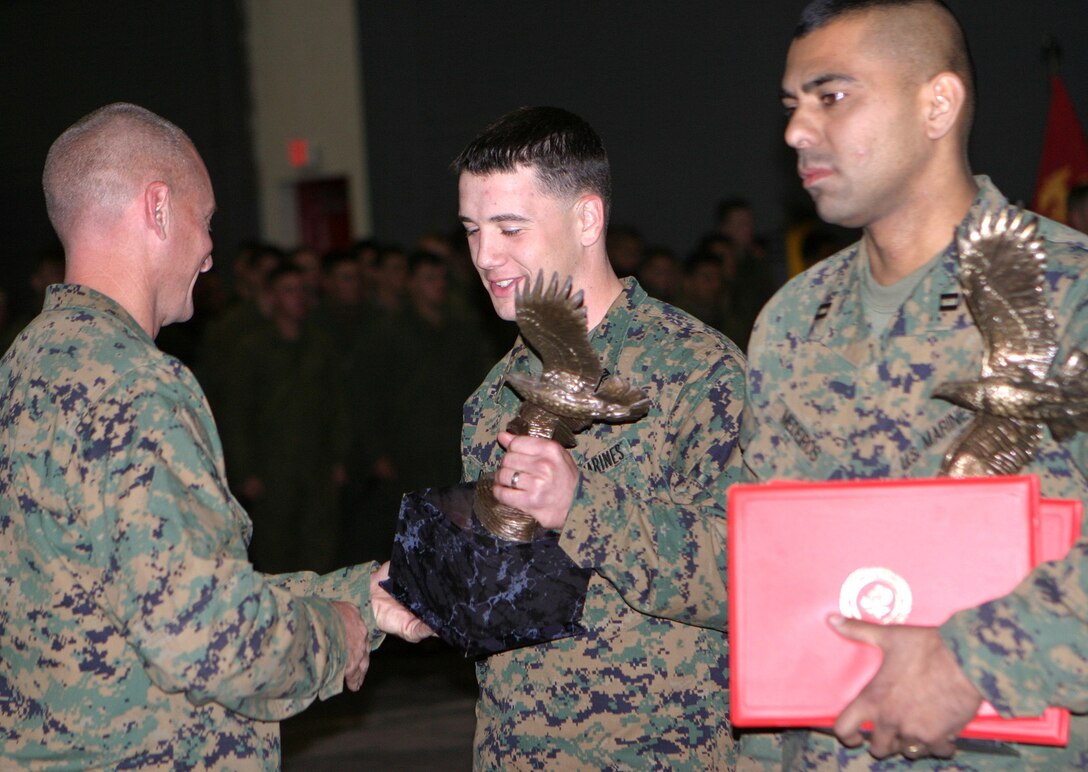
(482, 574)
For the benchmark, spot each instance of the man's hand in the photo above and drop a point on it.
(358, 643)
(917, 702)
(538, 477)
(392, 617)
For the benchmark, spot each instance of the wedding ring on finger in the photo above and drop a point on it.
(914, 750)
(514, 479)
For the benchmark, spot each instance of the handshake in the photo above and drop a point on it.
(392, 618)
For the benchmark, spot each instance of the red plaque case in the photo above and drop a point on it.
(912, 551)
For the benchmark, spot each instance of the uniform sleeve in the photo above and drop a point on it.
(173, 566)
(350, 584)
(1029, 649)
(663, 545)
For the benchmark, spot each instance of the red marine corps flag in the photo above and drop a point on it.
(1065, 154)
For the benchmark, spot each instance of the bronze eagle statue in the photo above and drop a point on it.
(1021, 387)
(571, 393)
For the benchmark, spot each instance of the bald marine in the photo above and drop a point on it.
(103, 160)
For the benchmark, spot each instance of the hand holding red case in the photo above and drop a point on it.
(912, 551)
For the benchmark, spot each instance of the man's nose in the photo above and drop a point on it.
(800, 130)
(487, 254)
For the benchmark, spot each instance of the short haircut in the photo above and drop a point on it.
(421, 258)
(659, 252)
(100, 161)
(698, 260)
(361, 247)
(389, 250)
(936, 47)
(716, 244)
(335, 257)
(283, 269)
(729, 205)
(566, 153)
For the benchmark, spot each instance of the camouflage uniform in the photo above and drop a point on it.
(827, 401)
(647, 686)
(134, 632)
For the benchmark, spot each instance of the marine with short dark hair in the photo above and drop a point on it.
(639, 504)
(844, 362)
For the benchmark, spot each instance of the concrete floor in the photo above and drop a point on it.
(414, 712)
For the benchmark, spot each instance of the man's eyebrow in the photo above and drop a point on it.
(499, 218)
(821, 80)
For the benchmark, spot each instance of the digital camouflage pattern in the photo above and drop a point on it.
(133, 631)
(828, 401)
(647, 686)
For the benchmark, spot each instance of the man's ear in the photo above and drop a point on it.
(591, 220)
(157, 208)
(944, 98)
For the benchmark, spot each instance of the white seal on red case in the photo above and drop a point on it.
(876, 594)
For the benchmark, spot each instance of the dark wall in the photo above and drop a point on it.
(63, 58)
(685, 95)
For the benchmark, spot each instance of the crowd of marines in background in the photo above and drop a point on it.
(337, 379)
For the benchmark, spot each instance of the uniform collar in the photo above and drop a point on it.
(77, 296)
(935, 304)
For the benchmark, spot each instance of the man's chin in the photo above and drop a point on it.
(840, 216)
(183, 315)
(505, 309)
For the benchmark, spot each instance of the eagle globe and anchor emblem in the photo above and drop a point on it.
(876, 594)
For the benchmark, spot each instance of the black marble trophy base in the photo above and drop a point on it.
(479, 593)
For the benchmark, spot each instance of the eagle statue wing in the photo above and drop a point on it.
(1002, 272)
(990, 446)
(622, 399)
(553, 322)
